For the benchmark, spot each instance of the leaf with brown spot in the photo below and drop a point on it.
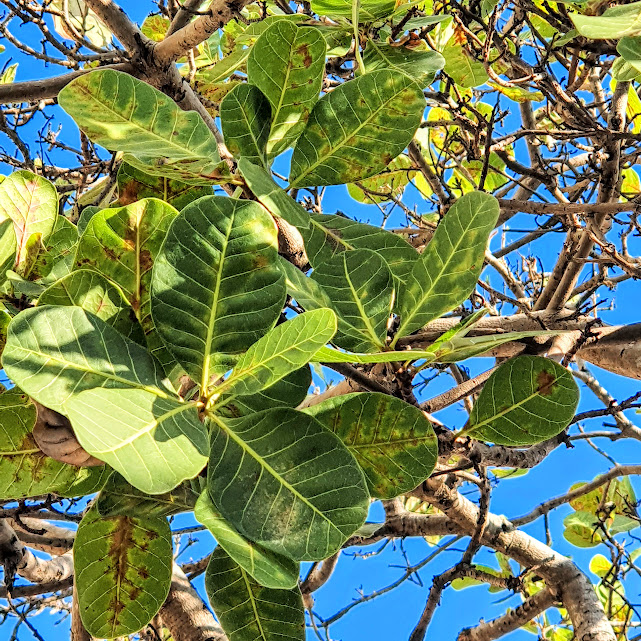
(123, 571)
(527, 400)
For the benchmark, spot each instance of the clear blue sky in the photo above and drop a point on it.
(392, 616)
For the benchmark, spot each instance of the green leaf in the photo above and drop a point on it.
(31, 202)
(284, 349)
(85, 216)
(307, 292)
(155, 27)
(123, 244)
(332, 234)
(57, 260)
(271, 196)
(154, 442)
(369, 10)
(527, 400)
(613, 23)
(95, 294)
(267, 568)
(134, 184)
(122, 568)
(464, 70)
(392, 441)
(8, 247)
(582, 530)
(289, 391)
(357, 129)
(233, 62)
(328, 355)
(287, 64)
(249, 611)
(122, 113)
(361, 288)
(245, 115)
(286, 482)
(53, 353)
(217, 287)
(24, 470)
(384, 186)
(447, 271)
(83, 20)
(419, 65)
(117, 497)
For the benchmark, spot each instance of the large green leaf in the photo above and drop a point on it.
(31, 202)
(286, 482)
(117, 497)
(526, 400)
(95, 294)
(285, 349)
(122, 113)
(122, 568)
(419, 65)
(53, 353)
(154, 442)
(8, 247)
(357, 129)
(392, 441)
(332, 234)
(135, 184)
(613, 23)
(217, 287)
(287, 64)
(369, 10)
(123, 244)
(267, 568)
(447, 271)
(361, 288)
(271, 196)
(245, 115)
(24, 470)
(249, 611)
(289, 391)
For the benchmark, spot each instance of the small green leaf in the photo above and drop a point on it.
(613, 23)
(267, 568)
(122, 113)
(527, 400)
(384, 186)
(357, 130)
(154, 442)
(284, 349)
(31, 202)
(287, 64)
(249, 611)
(274, 199)
(216, 285)
(328, 355)
(582, 530)
(56, 261)
(360, 285)
(245, 115)
(392, 441)
(8, 247)
(307, 292)
(447, 271)
(122, 570)
(53, 353)
(283, 480)
(464, 70)
(119, 498)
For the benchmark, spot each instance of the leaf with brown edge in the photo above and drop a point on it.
(123, 571)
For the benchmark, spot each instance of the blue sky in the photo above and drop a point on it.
(393, 615)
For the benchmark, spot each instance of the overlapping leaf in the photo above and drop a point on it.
(247, 610)
(8, 247)
(287, 65)
(122, 113)
(285, 349)
(369, 10)
(56, 261)
(527, 400)
(245, 114)
(271, 196)
(360, 285)
(447, 271)
(420, 65)
(53, 353)
(384, 186)
(464, 70)
(31, 202)
(615, 22)
(267, 568)
(392, 441)
(286, 482)
(25, 471)
(122, 572)
(154, 442)
(357, 129)
(216, 284)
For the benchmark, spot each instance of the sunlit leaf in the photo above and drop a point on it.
(615, 22)
(369, 10)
